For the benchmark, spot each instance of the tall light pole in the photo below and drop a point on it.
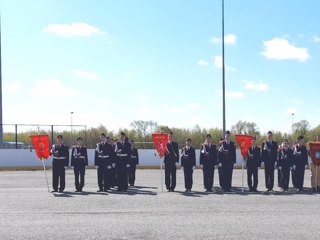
(71, 127)
(223, 76)
(292, 121)
(1, 123)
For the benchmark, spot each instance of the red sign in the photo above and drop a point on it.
(315, 152)
(160, 141)
(41, 145)
(244, 142)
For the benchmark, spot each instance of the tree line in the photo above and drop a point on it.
(140, 131)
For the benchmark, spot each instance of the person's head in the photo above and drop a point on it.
(123, 136)
(103, 137)
(170, 136)
(269, 135)
(300, 140)
(80, 141)
(227, 135)
(188, 142)
(59, 139)
(208, 138)
(109, 141)
(253, 141)
(285, 144)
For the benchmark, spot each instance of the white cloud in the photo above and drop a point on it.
(194, 106)
(85, 74)
(142, 97)
(231, 94)
(316, 39)
(281, 49)
(202, 62)
(145, 110)
(228, 39)
(175, 110)
(53, 87)
(218, 64)
(13, 86)
(74, 29)
(258, 86)
(291, 110)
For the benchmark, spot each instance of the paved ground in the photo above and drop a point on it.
(28, 211)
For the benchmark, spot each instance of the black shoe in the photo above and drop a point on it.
(100, 190)
(254, 190)
(60, 190)
(131, 185)
(54, 190)
(77, 190)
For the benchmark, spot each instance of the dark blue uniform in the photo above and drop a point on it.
(253, 163)
(123, 155)
(285, 162)
(188, 162)
(208, 160)
(60, 160)
(103, 159)
(269, 157)
(79, 161)
(300, 160)
(227, 158)
(133, 163)
(170, 159)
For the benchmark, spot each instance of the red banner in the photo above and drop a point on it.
(315, 152)
(244, 142)
(41, 145)
(160, 141)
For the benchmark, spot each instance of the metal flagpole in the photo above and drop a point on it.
(316, 177)
(161, 174)
(45, 172)
(243, 175)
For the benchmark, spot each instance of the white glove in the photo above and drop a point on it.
(128, 165)
(108, 167)
(194, 167)
(262, 164)
(280, 168)
(66, 167)
(96, 167)
(201, 165)
(234, 165)
(176, 163)
(306, 167)
(275, 164)
(182, 168)
(113, 165)
(258, 168)
(220, 165)
(294, 167)
(290, 168)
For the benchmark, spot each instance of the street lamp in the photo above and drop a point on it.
(223, 76)
(292, 116)
(71, 126)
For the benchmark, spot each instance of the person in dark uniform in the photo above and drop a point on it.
(133, 163)
(253, 165)
(208, 160)
(60, 160)
(171, 159)
(123, 153)
(103, 162)
(269, 157)
(285, 162)
(300, 162)
(79, 161)
(227, 160)
(188, 164)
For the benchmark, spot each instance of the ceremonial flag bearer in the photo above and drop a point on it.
(171, 159)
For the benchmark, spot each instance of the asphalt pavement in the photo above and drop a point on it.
(28, 211)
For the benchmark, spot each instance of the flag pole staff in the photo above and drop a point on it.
(161, 168)
(243, 174)
(45, 172)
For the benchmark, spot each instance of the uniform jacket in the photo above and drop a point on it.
(188, 157)
(172, 154)
(269, 153)
(134, 156)
(103, 149)
(60, 151)
(300, 156)
(208, 155)
(227, 153)
(254, 157)
(79, 155)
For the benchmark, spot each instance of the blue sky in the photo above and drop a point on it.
(114, 61)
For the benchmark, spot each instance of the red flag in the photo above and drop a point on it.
(315, 152)
(244, 142)
(160, 141)
(41, 145)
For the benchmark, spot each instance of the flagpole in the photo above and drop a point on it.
(243, 175)
(316, 177)
(161, 174)
(45, 172)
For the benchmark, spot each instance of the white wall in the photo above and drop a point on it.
(23, 157)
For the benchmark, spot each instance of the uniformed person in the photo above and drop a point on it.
(188, 164)
(123, 155)
(103, 162)
(300, 162)
(208, 161)
(285, 162)
(269, 157)
(79, 161)
(227, 160)
(253, 165)
(171, 159)
(60, 153)
(133, 164)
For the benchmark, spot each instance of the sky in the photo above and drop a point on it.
(111, 62)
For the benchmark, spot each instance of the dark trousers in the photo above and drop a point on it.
(299, 172)
(293, 178)
(170, 176)
(132, 174)
(269, 176)
(102, 177)
(252, 173)
(227, 171)
(208, 173)
(122, 174)
(220, 171)
(58, 176)
(79, 171)
(188, 177)
(285, 176)
(279, 178)
(113, 176)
